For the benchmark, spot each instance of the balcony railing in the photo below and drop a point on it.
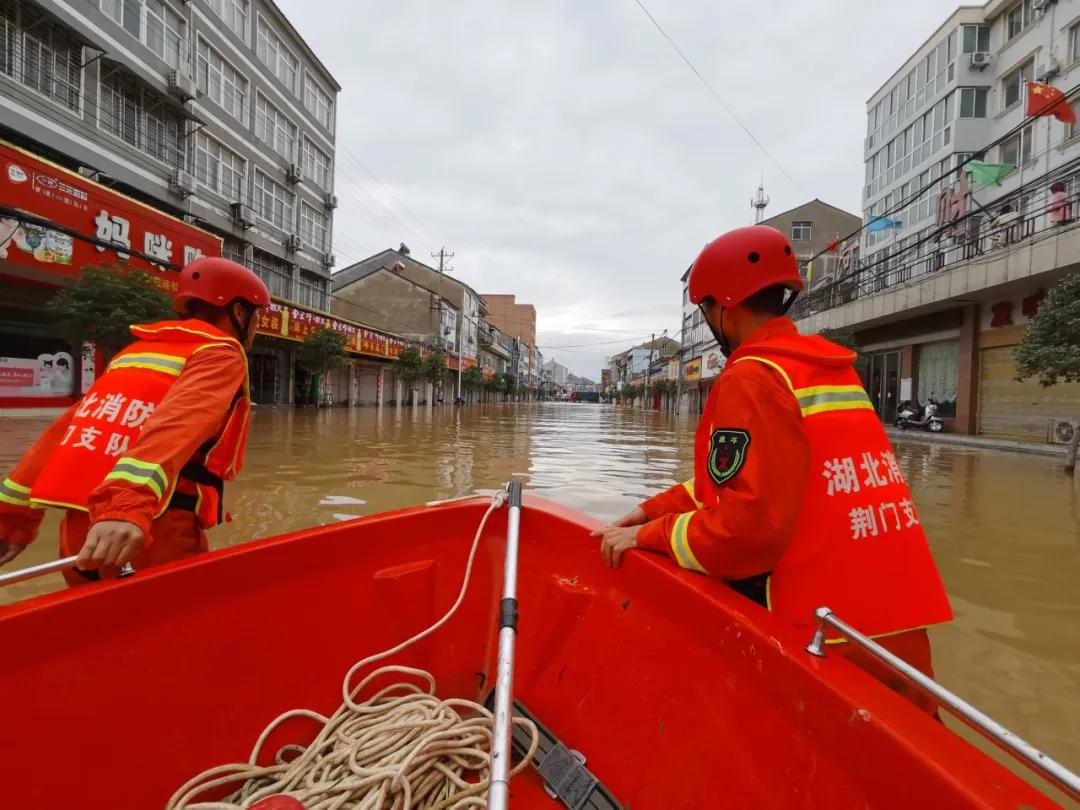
(978, 235)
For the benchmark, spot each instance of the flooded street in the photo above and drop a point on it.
(1005, 528)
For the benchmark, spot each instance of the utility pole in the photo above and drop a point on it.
(443, 255)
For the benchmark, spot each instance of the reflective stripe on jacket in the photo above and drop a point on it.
(101, 440)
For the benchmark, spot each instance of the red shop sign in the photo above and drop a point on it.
(49, 192)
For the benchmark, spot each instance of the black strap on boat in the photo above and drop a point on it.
(563, 772)
(753, 588)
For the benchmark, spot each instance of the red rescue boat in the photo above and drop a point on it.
(677, 692)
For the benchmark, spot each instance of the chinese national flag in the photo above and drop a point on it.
(1042, 99)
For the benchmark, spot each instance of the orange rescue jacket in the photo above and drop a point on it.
(111, 416)
(856, 545)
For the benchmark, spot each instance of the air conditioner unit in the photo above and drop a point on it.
(182, 183)
(1060, 431)
(292, 243)
(331, 260)
(981, 59)
(331, 201)
(293, 173)
(243, 215)
(447, 330)
(1049, 71)
(1041, 5)
(181, 85)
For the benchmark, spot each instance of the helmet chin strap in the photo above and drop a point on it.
(718, 334)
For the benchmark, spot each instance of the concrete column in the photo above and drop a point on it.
(353, 393)
(380, 386)
(967, 394)
(399, 391)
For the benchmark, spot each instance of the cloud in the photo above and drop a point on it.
(567, 155)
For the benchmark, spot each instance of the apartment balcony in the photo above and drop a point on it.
(986, 259)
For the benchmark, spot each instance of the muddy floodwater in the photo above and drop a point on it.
(1005, 527)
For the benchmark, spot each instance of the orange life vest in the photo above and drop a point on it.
(100, 443)
(858, 547)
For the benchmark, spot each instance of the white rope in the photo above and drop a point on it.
(400, 748)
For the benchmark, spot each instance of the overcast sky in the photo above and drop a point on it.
(566, 154)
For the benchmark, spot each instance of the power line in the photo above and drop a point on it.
(424, 230)
(597, 343)
(716, 95)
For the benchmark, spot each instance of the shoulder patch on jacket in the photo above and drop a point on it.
(727, 453)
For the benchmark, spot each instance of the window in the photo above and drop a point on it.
(277, 273)
(276, 55)
(274, 129)
(164, 32)
(233, 249)
(51, 63)
(1013, 84)
(939, 374)
(319, 103)
(973, 102)
(140, 117)
(153, 23)
(1017, 149)
(1072, 130)
(273, 202)
(128, 13)
(8, 33)
(801, 232)
(313, 229)
(220, 81)
(1018, 18)
(234, 13)
(219, 168)
(1074, 43)
(315, 164)
(311, 290)
(976, 38)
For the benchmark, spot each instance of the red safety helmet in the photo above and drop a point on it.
(219, 282)
(736, 265)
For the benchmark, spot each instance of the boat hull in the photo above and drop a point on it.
(679, 692)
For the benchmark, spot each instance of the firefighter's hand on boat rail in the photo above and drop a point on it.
(620, 536)
(111, 542)
(9, 551)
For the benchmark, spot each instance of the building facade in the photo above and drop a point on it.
(518, 321)
(215, 112)
(952, 266)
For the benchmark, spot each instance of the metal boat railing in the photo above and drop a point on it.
(1049, 769)
(34, 571)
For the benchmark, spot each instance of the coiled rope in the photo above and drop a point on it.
(402, 748)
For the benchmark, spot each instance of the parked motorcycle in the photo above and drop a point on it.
(907, 415)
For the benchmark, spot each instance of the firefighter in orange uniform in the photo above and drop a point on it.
(797, 499)
(139, 463)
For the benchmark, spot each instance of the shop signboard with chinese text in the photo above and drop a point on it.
(41, 189)
(712, 363)
(293, 323)
(692, 370)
